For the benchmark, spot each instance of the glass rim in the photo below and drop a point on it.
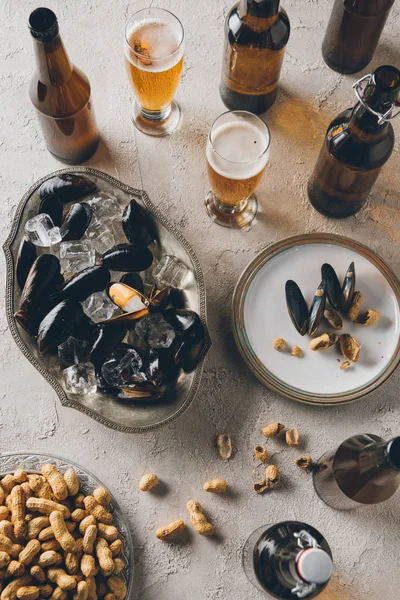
(164, 10)
(240, 112)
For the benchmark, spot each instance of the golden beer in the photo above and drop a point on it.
(237, 155)
(154, 62)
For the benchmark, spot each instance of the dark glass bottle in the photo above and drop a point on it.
(256, 34)
(364, 470)
(60, 92)
(357, 144)
(287, 560)
(353, 33)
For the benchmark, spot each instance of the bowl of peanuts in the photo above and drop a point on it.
(62, 534)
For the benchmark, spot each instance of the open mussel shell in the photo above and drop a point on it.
(137, 225)
(297, 306)
(333, 318)
(54, 207)
(27, 254)
(127, 298)
(106, 340)
(134, 281)
(58, 325)
(83, 284)
(76, 221)
(189, 346)
(129, 320)
(349, 285)
(333, 288)
(127, 257)
(143, 391)
(159, 300)
(68, 187)
(317, 308)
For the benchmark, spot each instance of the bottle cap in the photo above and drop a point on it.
(43, 24)
(314, 565)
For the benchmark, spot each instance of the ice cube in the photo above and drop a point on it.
(99, 307)
(105, 206)
(103, 240)
(122, 368)
(76, 256)
(156, 331)
(41, 231)
(170, 271)
(74, 350)
(80, 379)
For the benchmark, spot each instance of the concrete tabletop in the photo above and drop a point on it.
(365, 543)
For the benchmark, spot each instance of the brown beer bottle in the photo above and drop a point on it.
(61, 94)
(256, 34)
(357, 145)
(365, 469)
(353, 33)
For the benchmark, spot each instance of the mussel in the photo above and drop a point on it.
(317, 308)
(154, 368)
(143, 391)
(189, 344)
(58, 325)
(297, 306)
(127, 257)
(129, 320)
(54, 207)
(134, 281)
(83, 284)
(137, 226)
(349, 285)
(333, 289)
(333, 318)
(159, 299)
(127, 298)
(181, 319)
(76, 221)
(106, 339)
(68, 187)
(27, 254)
(44, 278)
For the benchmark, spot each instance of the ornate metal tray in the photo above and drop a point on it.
(32, 463)
(128, 418)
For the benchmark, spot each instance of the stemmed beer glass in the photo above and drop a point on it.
(237, 155)
(154, 43)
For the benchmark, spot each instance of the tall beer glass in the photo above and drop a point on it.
(237, 154)
(154, 41)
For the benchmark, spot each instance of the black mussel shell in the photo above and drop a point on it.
(317, 308)
(106, 340)
(349, 285)
(83, 284)
(181, 319)
(54, 207)
(44, 279)
(333, 289)
(159, 300)
(127, 257)
(76, 221)
(297, 306)
(154, 368)
(137, 225)
(86, 329)
(27, 254)
(177, 298)
(68, 187)
(58, 325)
(134, 281)
(188, 353)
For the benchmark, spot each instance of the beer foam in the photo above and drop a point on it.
(238, 146)
(159, 41)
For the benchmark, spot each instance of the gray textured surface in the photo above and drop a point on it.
(364, 543)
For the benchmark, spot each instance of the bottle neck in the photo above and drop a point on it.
(259, 14)
(363, 123)
(52, 63)
(381, 457)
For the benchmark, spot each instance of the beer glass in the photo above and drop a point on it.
(154, 41)
(237, 154)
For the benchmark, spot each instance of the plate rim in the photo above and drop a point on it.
(249, 355)
(64, 399)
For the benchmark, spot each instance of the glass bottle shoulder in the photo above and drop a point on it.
(60, 100)
(366, 8)
(274, 36)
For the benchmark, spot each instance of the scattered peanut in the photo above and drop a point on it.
(355, 306)
(272, 429)
(279, 344)
(324, 341)
(272, 476)
(297, 351)
(148, 482)
(370, 317)
(292, 437)
(102, 496)
(215, 486)
(261, 454)
(170, 532)
(198, 519)
(224, 444)
(345, 365)
(304, 462)
(349, 347)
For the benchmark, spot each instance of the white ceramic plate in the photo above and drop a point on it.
(260, 316)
